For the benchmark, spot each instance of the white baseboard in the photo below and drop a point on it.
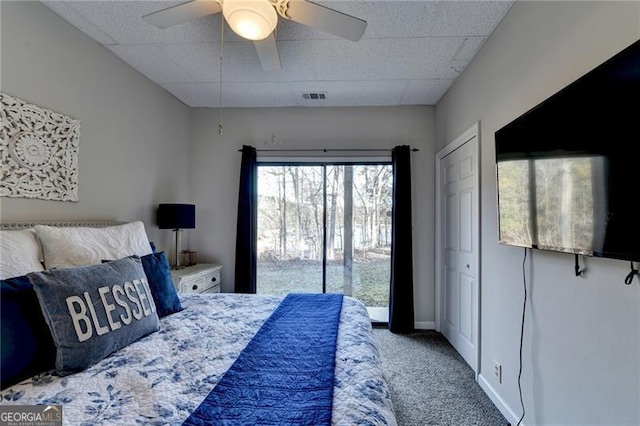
(506, 411)
(425, 325)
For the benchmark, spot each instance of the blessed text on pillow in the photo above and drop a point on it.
(134, 297)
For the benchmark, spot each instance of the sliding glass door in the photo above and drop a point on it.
(325, 228)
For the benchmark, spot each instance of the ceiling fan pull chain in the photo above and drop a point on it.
(221, 56)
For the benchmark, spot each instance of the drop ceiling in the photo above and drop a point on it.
(410, 54)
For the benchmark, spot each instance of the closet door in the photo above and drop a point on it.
(458, 275)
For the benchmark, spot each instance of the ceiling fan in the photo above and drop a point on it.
(256, 20)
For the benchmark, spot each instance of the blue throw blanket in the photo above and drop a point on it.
(285, 374)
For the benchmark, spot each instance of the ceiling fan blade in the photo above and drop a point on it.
(182, 13)
(268, 53)
(325, 19)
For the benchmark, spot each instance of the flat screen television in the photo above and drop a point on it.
(568, 170)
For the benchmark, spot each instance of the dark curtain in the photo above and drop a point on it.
(401, 296)
(246, 233)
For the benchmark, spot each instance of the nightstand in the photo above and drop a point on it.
(200, 278)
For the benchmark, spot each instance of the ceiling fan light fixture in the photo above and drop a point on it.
(250, 19)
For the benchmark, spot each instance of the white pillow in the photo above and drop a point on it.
(19, 253)
(77, 246)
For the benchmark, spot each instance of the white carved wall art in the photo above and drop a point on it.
(38, 152)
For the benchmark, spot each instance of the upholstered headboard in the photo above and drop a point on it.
(92, 224)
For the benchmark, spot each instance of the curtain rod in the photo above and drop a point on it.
(329, 150)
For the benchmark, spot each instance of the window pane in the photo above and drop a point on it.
(290, 200)
(359, 232)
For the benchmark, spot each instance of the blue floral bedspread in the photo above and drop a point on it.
(162, 378)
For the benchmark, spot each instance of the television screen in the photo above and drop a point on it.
(569, 169)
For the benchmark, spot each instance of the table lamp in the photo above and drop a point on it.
(177, 217)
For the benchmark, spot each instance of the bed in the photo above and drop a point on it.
(165, 376)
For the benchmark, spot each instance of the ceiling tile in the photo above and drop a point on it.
(385, 58)
(398, 19)
(153, 61)
(241, 63)
(468, 18)
(71, 15)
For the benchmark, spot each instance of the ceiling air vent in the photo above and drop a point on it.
(315, 96)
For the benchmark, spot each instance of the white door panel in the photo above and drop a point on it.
(451, 295)
(466, 221)
(466, 311)
(458, 203)
(450, 228)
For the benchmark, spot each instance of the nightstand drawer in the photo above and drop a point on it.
(198, 279)
(214, 289)
(198, 284)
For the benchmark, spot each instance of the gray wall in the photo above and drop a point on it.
(133, 134)
(215, 168)
(582, 340)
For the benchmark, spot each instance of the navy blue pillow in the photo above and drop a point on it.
(156, 267)
(27, 345)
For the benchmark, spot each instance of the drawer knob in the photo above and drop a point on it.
(195, 287)
(213, 280)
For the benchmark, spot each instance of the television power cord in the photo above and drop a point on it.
(524, 311)
(629, 278)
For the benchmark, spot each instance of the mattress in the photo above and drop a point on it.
(163, 377)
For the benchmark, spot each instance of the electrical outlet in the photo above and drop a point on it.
(497, 371)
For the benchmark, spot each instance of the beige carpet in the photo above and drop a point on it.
(430, 383)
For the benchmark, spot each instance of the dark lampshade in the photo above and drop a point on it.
(176, 216)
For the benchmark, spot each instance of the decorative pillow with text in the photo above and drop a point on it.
(95, 310)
